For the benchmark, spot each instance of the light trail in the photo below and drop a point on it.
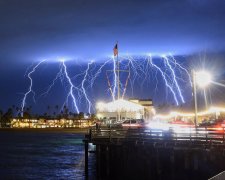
(30, 90)
(219, 84)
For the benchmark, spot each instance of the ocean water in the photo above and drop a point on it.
(43, 155)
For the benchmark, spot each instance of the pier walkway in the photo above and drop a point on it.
(177, 153)
(204, 136)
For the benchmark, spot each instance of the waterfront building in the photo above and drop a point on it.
(125, 109)
(211, 114)
(50, 123)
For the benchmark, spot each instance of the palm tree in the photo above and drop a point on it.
(66, 112)
(45, 115)
(57, 108)
(13, 108)
(54, 113)
(17, 111)
(7, 117)
(48, 108)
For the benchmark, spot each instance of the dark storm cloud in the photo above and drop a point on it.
(35, 29)
(85, 26)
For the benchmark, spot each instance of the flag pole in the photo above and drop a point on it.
(118, 81)
(118, 74)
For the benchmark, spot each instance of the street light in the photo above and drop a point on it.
(202, 79)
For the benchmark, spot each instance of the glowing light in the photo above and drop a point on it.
(100, 105)
(61, 60)
(120, 105)
(203, 78)
(153, 111)
(183, 114)
(99, 116)
(158, 125)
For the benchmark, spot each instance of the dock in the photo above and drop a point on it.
(155, 154)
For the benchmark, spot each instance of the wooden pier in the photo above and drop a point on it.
(154, 154)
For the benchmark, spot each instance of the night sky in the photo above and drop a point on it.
(31, 31)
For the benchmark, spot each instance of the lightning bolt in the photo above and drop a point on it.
(84, 91)
(72, 87)
(174, 77)
(30, 90)
(99, 72)
(58, 75)
(182, 68)
(140, 69)
(164, 78)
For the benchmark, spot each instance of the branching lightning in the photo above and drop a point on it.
(98, 72)
(30, 90)
(174, 77)
(83, 88)
(164, 78)
(59, 75)
(141, 71)
(72, 87)
(181, 68)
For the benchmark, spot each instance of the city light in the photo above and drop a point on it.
(183, 114)
(203, 78)
(119, 105)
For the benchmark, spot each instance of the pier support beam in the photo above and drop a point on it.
(98, 161)
(86, 158)
(195, 161)
(107, 161)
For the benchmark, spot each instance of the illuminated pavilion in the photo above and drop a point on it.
(124, 109)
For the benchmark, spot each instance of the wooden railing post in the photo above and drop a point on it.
(206, 134)
(86, 157)
(110, 133)
(223, 135)
(190, 135)
(90, 134)
(140, 134)
(176, 136)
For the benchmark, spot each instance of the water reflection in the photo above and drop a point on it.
(43, 155)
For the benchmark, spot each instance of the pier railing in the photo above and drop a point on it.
(205, 135)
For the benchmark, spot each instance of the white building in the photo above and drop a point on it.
(125, 109)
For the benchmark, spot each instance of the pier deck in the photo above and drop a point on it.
(155, 154)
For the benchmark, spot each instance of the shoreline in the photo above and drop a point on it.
(47, 130)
